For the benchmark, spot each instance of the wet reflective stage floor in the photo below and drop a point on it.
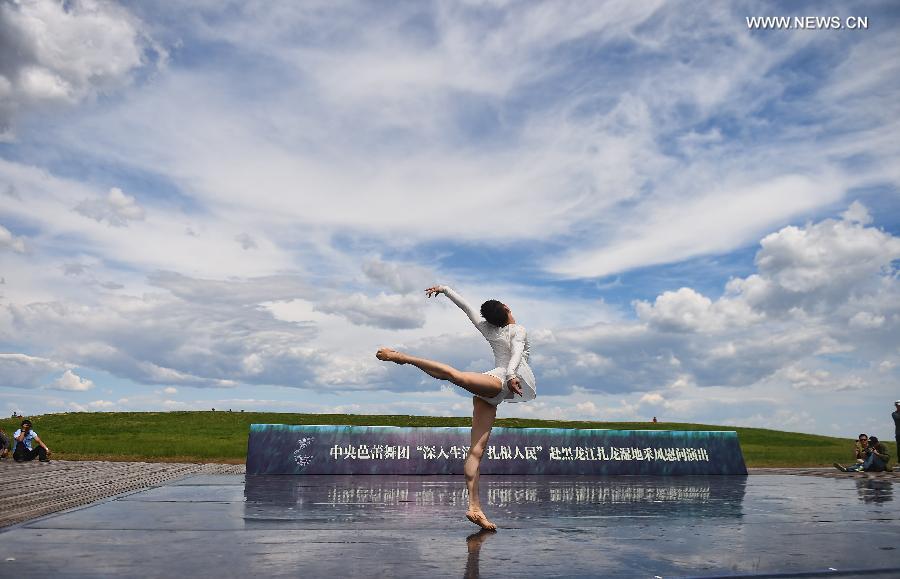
(401, 526)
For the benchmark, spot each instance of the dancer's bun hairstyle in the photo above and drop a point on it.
(495, 313)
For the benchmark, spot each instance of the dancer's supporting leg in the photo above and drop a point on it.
(483, 415)
(478, 384)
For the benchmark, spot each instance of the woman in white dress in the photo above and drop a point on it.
(511, 380)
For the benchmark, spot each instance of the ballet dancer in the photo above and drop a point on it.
(511, 380)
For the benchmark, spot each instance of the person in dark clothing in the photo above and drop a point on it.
(861, 448)
(876, 459)
(4, 444)
(25, 440)
(896, 416)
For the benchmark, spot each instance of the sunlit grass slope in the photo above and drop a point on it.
(222, 436)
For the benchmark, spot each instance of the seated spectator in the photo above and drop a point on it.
(24, 440)
(861, 448)
(876, 459)
(4, 444)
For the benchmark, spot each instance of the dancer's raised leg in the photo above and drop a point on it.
(483, 415)
(478, 384)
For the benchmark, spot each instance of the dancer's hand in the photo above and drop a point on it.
(514, 386)
(433, 291)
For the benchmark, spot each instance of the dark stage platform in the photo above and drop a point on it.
(406, 526)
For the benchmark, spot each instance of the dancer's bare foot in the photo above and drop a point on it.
(479, 519)
(389, 355)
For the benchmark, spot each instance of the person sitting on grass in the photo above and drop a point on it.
(4, 444)
(24, 450)
(876, 460)
(861, 448)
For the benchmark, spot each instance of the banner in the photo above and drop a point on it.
(358, 450)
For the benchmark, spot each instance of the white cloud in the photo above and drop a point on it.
(381, 311)
(8, 240)
(24, 371)
(170, 390)
(246, 241)
(867, 320)
(591, 361)
(402, 278)
(117, 208)
(766, 328)
(157, 242)
(686, 310)
(651, 398)
(72, 382)
(682, 381)
(64, 52)
(831, 253)
(716, 221)
(820, 380)
(203, 334)
(592, 165)
(857, 213)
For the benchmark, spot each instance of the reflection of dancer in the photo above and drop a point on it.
(511, 380)
(473, 545)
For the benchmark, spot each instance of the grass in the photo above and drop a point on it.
(222, 436)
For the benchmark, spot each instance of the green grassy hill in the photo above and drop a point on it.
(222, 436)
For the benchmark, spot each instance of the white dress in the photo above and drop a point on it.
(511, 349)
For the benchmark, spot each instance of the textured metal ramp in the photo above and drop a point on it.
(44, 488)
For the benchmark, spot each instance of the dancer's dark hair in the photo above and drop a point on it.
(495, 313)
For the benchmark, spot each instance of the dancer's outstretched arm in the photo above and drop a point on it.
(456, 299)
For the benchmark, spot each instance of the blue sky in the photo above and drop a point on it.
(234, 204)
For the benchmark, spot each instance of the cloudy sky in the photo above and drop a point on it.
(234, 204)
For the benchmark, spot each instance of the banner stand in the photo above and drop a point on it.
(360, 450)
